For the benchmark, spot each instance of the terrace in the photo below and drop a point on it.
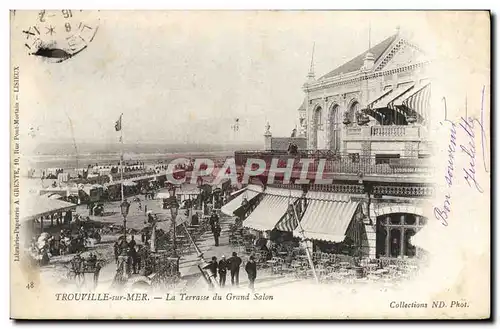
(400, 132)
(345, 166)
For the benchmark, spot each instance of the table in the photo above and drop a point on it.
(344, 264)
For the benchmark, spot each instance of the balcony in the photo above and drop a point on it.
(338, 165)
(383, 133)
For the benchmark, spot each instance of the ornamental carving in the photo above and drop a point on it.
(411, 149)
(365, 148)
(338, 188)
(357, 79)
(404, 190)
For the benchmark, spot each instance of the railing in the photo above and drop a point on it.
(388, 131)
(339, 163)
(383, 131)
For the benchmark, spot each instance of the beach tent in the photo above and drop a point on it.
(37, 206)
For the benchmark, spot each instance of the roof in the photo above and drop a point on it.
(230, 207)
(357, 62)
(303, 105)
(36, 206)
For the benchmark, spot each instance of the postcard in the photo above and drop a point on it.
(250, 164)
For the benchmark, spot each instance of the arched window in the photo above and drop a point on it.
(317, 126)
(353, 109)
(318, 119)
(335, 128)
(394, 234)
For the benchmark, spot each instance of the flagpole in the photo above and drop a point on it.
(121, 156)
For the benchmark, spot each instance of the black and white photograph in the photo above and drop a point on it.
(249, 164)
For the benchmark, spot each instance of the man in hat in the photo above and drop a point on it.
(216, 231)
(213, 221)
(234, 265)
(251, 269)
(212, 266)
(223, 265)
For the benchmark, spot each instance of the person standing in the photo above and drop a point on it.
(213, 267)
(223, 265)
(234, 266)
(214, 220)
(251, 269)
(216, 231)
(132, 253)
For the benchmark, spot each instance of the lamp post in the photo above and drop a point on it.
(174, 209)
(124, 206)
(199, 185)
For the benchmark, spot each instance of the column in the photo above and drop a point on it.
(153, 238)
(387, 241)
(328, 132)
(402, 249)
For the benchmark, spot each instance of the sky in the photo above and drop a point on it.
(186, 76)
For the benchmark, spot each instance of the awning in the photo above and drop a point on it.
(271, 208)
(289, 221)
(378, 97)
(239, 191)
(249, 193)
(387, 100)
(327, 217)
(418, 100)
(36, 206)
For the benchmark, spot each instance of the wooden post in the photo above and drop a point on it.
(387, 239)
(311, 263)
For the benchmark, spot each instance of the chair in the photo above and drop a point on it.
(317, 255)
(272, 261)
(249, 248)
(277, 265)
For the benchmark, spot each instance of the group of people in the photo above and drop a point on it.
(135, 254)
(233, 265)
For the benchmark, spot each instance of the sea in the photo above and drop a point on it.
(71, 162)
(70, 157)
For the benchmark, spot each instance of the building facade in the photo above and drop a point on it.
(365, 123)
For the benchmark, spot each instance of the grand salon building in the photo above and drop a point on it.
(368, 120)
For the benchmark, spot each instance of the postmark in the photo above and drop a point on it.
(57, 35)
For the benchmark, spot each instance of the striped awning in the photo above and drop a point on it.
(418, 100)
(248, 193)
(389, 98)
(378, 97)
(271, 208)
(289, 221)
(327, 217)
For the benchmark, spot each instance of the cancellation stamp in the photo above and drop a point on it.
(57, 35)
